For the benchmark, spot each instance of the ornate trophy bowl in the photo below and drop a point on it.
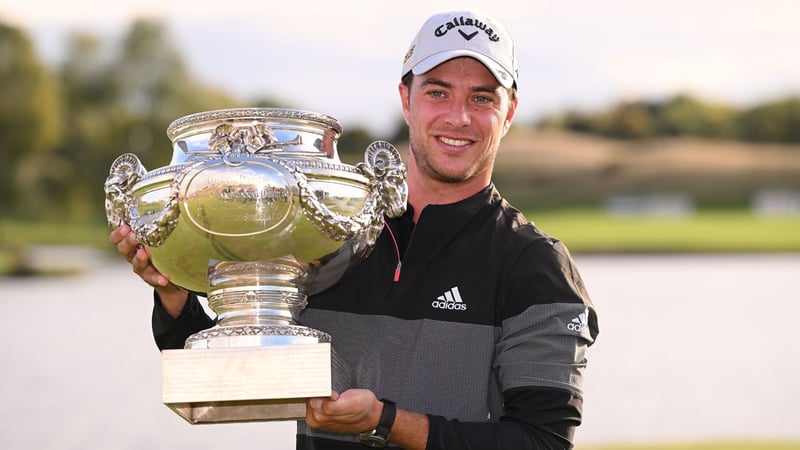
(256, 211)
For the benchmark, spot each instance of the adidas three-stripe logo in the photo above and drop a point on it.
(451, 299)
(580, 322)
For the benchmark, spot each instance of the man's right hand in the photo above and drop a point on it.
(173, 298)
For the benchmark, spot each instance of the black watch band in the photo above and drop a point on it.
(379, 437)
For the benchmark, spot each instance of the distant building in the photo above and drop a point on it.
(778, 202)
(663, 204)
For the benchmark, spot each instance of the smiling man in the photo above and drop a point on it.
(463, 319)
(457, 114)
(466, 327)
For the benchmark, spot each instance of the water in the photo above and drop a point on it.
(691, 347)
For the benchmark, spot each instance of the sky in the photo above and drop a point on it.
(343, 57)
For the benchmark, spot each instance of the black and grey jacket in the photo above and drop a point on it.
(472, 316)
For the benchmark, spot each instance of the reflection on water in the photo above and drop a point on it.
(691, 347)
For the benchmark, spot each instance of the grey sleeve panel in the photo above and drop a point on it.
(546, 346)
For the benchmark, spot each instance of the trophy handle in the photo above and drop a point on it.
(388, 193)
(125, 171)
(121, 205)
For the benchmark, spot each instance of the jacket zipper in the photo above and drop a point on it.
(397, 252)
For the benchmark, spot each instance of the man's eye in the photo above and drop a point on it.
(437, 94)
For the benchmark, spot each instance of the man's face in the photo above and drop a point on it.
(457, 114)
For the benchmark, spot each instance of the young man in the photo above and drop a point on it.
(466, 327)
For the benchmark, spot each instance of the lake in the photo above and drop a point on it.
(690, 348)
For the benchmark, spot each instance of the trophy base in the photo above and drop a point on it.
(245, 384)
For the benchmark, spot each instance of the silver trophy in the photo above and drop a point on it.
(256, 211)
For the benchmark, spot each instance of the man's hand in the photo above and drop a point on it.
(137, 255)
(353, 411)
(173, 298)
(359, 410)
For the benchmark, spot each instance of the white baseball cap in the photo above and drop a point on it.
(463, 33)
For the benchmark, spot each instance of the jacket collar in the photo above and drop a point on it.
(439, 224)
(462, 210)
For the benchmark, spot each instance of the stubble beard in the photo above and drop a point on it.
(427, 166)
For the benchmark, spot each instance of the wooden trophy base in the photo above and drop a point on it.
(247, 384)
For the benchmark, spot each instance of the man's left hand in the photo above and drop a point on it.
(352, 411)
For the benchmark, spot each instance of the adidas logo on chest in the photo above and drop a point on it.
(451, 299)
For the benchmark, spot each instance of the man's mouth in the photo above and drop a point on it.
(454, 142)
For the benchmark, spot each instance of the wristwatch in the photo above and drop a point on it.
(379, 437)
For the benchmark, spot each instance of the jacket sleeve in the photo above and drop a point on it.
(535, 418)
(170, 332)
(547, 325)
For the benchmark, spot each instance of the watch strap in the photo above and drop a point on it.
(379, 437)
(386, 421)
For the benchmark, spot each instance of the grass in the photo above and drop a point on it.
(744, 445)
(17, 236)
(583, 230)
(22, 233)
(739, 231)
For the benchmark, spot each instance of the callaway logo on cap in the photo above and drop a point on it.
(463, 33)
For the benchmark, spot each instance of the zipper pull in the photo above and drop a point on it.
(397, 271)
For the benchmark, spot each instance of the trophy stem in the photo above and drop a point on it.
(257, 303)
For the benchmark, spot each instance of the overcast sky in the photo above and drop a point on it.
(343, 57)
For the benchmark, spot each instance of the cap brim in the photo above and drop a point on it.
(503, 77)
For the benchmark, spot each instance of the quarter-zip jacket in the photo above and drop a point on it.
(485, 330)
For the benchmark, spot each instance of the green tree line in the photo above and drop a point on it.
(61, 127)
(685, 115)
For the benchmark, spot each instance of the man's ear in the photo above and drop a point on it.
(404, 100)
(512, 110)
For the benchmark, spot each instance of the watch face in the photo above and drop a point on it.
(373, 440)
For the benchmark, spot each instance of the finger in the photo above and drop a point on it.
(314, 414)
(128, 246)
(315, 404)
(311, 419)
(143, 266)
(118, 234)
(152, 277)
(139, 261)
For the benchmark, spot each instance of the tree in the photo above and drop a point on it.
(778, 121)
(352, 143)
(154, 87)
(92, 120)
(123, 103)
(630, 120)
(685, 115)
(30, 124)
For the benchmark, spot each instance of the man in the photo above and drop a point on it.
(466, 327)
